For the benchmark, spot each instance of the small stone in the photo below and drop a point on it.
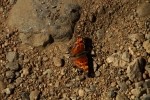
(143, 9)
(137, 92)
(147, 83)
(114, 59)
(8, 91)
(123, 86)
(139, 84)
(34, 95)
(147, 36)
(148, 59)
(11, 56)
(81, 92)
(2, 86)
(19, 80)
(147, 68)
(95, 66)
(58, 62)
(12, 66)
(146, 45)
(47, 72)
(135, 69)
(121, 97)
(112, 93)
(25, 96)
(136, 37)
(126, 56)
(25, 71)
(10, 74)
(45, 58)
(146, 97)
(97, 73)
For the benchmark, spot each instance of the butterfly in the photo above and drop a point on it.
(79, 54)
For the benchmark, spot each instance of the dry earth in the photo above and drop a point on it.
(35, 37)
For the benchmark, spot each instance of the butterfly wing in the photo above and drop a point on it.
(81, 62)
(78, 47)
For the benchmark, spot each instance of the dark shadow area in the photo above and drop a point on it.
(88, 48)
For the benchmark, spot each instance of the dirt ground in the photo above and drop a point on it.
(47, 72)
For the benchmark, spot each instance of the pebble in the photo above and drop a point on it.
(116, 60)
(97, 73)
(136, 37)
(147, 36)
(10, 74)
(58, 62)
(143, 9)
(135, 69)
(121, 97)
(123, 86)
(2, 86)
(81, 92)
(147, 83)
(19, 80)
(47, 72)
(126, 56)
(25, 71)
(146, 97)
(146, 45)
(137, 92)
(34, 95)
(147, 68)
(11, 56)
(8, 91)
(139, 84)
(25, 96)
(12, 66)
(112, 94)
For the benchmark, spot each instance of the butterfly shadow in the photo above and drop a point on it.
(88, 48)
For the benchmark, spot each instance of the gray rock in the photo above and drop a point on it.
(25, 96)
(12, 66)
(34, 95)
(146, 45)
(11, 56)
(121, 96)
(143, 9)
(136, 69)
(146, 97)
(10, 74)
(32, 16)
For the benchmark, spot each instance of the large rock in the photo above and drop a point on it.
(136, 69)
(54, 18)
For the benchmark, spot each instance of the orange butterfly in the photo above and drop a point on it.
(78, 53)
